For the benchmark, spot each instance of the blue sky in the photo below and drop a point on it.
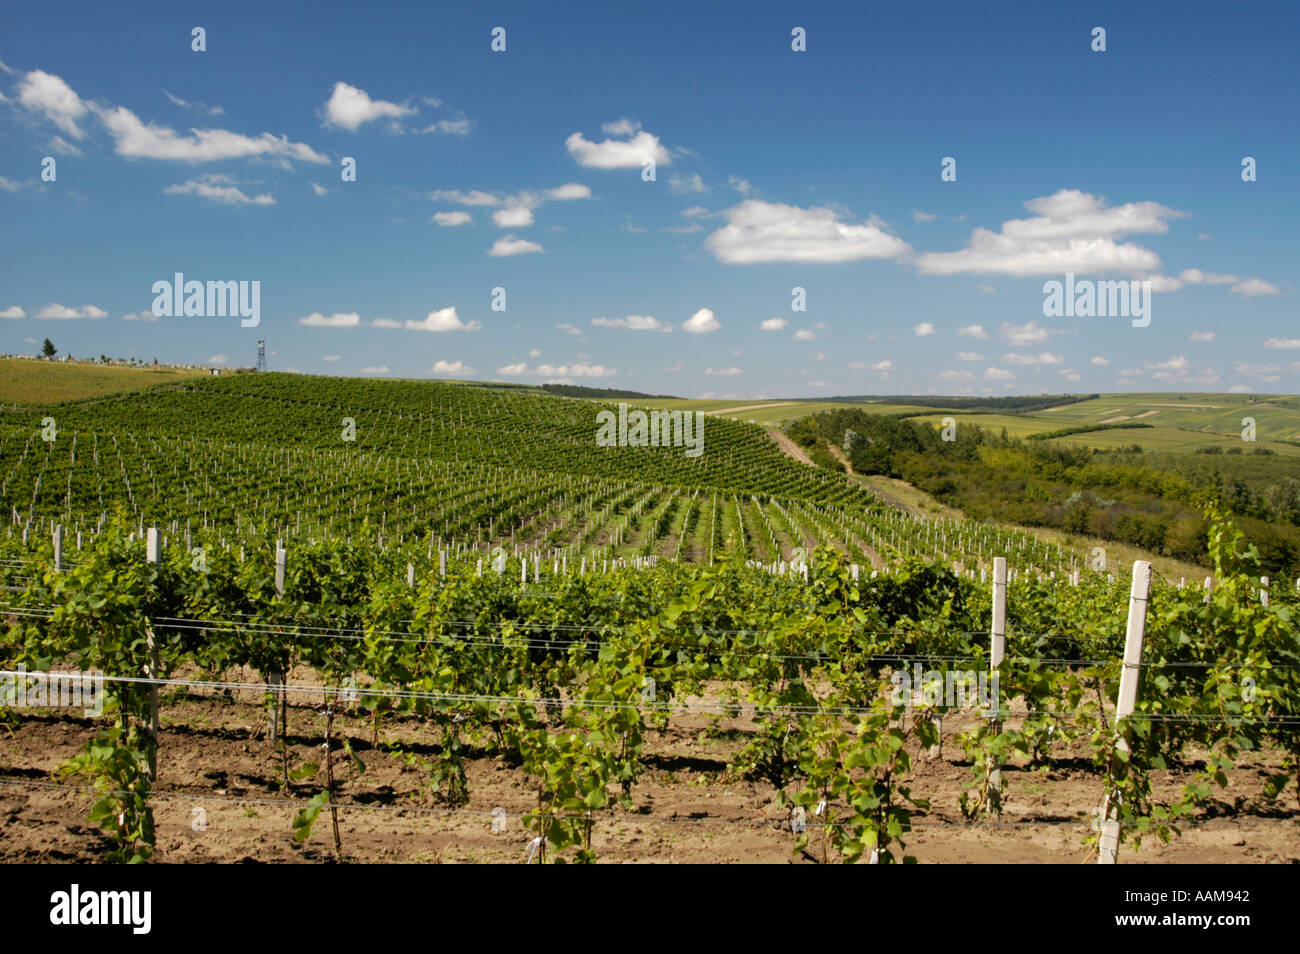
(774, 169)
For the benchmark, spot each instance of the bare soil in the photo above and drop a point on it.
(218, 800)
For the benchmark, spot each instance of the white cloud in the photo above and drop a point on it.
(210, 188)
(48, 94)
(319, 189)
(513, 217)
(633, 323)
(13, 311)
(702, 322)
(1201, 336)
(758, 231)
(618, 153)
(1254, 286)
(1241, 389)
(534, 353)
(620, 127)
(723, 372)
(218, 359)
(1287, 344)
(998, 374)
(451, 367)
(1179, 363)
(200, 107)
(919, 216)
(1020, 335)
(140, 316)
(741, 185)
(1100, 362)
(924, 329)
(576, 370)
(342, 319)
(1033, 359)
(349, 107)
(509, 245)
(568, 192)
(772, 324)
(1194, 276)
(54, 311)
(568, 328)
(444, 319)
(681, 185)
(971, 331)
(134, 138)
(1072, 231)
(885, 365)
(805, 334)
(1071, 375)
(460, 126)
(695, 211)
(375, 369)
(450, 219)
(957, 376)
(473, 197)
(10, 185)
(331, 357)
(969, 356)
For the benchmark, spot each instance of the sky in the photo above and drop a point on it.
(666, 198)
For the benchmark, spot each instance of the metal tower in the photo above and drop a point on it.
(261, 355)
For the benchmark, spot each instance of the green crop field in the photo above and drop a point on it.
(34, 382)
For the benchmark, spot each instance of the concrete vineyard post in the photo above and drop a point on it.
(152, 554)
(277, 678)
(410, 575)
(1108, 846)
(997, 652)
(58, 547)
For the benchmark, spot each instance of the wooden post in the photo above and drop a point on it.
(997, 652)
(1108, 847)
(152, 554)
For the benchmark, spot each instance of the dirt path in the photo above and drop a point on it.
(750, 407)
(789, 447)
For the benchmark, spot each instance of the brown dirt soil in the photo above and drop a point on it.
(687, 808)
(789, 447)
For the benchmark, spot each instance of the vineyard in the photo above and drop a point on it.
(319, 610)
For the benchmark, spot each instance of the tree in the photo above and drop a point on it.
(48, 349)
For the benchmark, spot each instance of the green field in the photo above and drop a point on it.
(31, 381)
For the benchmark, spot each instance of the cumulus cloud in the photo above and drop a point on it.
(1071, 231)
(509, 245)
(702, 322)
(217, 359)
(998, 374)
(1100, 362)
(924, 330)
(957, 376)
(758, 231)
(49, 95)
(444, 319)
(805, 334)
(1287, 344)
(624, 153)
(633, 323)
(140, 316)
(331, 357)
(971, 331)
(450, 219)
(1254, 286)
(57, 311)
(13, 311)
(218, 189)
(772, 324)
(132, 137)
(1021, 335)
(574, 370)
(969, 356)
(473, 197)
(681, 185)
(1043, 357)
(320, 190)
(342, 319)
(451, 367)
(885, 365)
(513, 217)
(723, 372)
(349, 107)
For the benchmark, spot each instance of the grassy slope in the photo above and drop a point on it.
(30, 382)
